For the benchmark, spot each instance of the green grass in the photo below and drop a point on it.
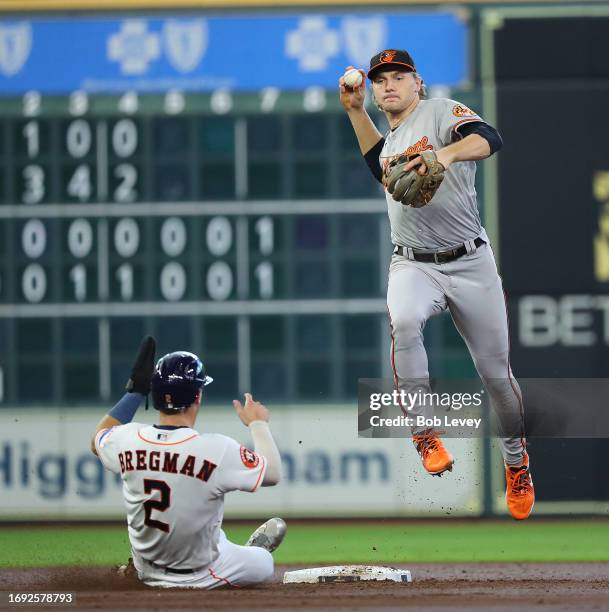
(408, 541)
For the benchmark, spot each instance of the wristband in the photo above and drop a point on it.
(126, 407)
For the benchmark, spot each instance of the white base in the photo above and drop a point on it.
(346, 573)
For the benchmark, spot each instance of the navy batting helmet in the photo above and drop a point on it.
(177, 379)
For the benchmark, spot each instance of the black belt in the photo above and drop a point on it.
(440, 256)
(173, 570)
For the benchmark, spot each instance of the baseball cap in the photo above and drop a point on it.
(391, 57)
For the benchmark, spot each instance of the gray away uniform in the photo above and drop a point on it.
(469, 287)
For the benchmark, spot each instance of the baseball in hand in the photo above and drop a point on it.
(353, 78)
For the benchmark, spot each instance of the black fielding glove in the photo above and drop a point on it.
(143, 367)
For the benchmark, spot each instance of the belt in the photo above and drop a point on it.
(173, 570)
(440, 256)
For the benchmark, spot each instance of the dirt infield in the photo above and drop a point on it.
(505, 586)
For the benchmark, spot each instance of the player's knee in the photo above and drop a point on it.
(407, 327)
(492, 370)
(264, 566)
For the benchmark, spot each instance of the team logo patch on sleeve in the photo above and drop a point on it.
(103, 439)
(250, 458)
(459, 110)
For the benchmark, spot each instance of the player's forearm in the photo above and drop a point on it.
(470, 148)
(364, 128)
(121, 413)
(265, 445)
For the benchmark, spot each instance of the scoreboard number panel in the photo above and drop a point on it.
(125, 170)
(79, 269)
(77, 160)
(100, 259)
(127, 260)
(268, 257)
(79, 149)
(35, 260)
(31, 142)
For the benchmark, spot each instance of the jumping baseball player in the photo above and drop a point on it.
(175, 479)
(442, 258)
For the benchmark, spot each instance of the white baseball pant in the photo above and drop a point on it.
(235, 566)
(471, 289)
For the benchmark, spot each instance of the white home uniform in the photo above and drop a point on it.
(469, 287)
(174, 482)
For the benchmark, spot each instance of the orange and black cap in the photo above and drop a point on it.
(391, 57)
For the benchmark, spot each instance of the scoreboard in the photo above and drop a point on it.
(258, 240)
(163, 183)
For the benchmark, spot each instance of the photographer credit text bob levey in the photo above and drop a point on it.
(407, 401)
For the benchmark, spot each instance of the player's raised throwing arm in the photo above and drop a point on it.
(369, 138)
(352, 99)
(256, 416)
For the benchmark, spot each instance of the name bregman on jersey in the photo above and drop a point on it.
(155, 461)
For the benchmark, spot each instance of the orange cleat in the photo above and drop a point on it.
(519, 493)
(436, 459)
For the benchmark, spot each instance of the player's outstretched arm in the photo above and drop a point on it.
(138, 387)
(256, 416)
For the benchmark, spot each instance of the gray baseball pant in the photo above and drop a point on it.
(470, 287)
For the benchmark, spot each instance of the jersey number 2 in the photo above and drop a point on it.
(156, 504)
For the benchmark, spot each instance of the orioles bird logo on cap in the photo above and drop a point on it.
(387, 56)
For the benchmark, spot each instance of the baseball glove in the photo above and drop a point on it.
(143, 367)
(409, 187)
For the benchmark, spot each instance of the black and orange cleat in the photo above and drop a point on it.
(519, 493)
(436, 459)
